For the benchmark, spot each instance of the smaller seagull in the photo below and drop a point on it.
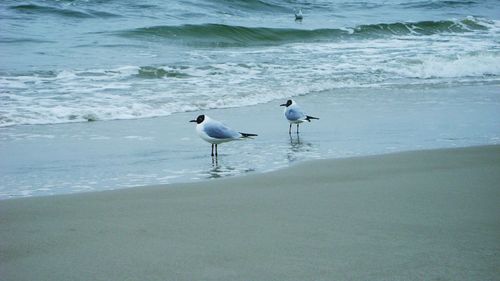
(215, 132)
(298, 15)
(295, 115)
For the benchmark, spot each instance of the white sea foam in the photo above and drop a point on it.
(241, 77)
(476, 65)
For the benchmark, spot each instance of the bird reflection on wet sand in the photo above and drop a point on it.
(217, 171)
(298, 148)
(220, 170)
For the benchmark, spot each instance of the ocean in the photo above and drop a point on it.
(384, 76)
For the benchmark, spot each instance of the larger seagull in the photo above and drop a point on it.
(215, 132)
(295, 115)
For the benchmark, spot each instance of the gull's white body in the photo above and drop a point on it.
(298, 16)
(215, 132)
(294, 114)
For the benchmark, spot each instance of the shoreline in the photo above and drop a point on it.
(95, 156)
(253, 174)
(416, 215)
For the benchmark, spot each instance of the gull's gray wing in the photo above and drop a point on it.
(294, 114)
(218, 130)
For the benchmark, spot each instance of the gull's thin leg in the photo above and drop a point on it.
(212, 150)
(290, 129)
(215, 150)
(297, 128)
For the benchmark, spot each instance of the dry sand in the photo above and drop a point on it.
(427, 215)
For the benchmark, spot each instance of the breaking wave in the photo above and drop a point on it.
(239, 36)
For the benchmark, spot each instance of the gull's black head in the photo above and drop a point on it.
(199, 119)
(287, 104)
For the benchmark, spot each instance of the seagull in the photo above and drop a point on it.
(295, 115)
(215, 132)
(298, 16)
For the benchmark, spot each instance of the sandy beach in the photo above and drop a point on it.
(103, 177)
(425, 215)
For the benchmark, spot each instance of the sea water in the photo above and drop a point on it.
(383, 76)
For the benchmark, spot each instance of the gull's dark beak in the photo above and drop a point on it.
(283, 104)
(192, 121)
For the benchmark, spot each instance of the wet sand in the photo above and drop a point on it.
(425, 215)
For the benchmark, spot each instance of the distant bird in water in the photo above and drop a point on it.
(295, 115)
(298, 15)
(215, 132)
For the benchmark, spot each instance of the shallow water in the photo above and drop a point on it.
(91, 156)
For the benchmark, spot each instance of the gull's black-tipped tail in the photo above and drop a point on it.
(309, 118)
(245, 135)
